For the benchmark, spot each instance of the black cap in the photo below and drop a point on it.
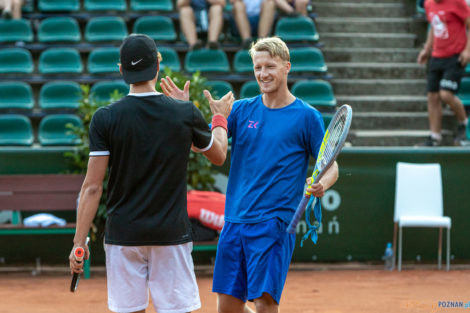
(138, 55)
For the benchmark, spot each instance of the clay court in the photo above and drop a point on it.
(317, 289)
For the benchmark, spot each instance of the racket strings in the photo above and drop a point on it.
(336, 131)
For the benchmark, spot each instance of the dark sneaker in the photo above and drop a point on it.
(430, 142)
(6, 14)
(461, 136)
(197, 46)
(213, 45)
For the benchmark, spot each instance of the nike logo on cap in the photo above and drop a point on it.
(134, 63)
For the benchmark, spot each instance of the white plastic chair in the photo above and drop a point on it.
(418, 203)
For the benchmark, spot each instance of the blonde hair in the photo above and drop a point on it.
(273, 45)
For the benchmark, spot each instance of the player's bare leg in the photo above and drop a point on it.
(230, 304)
(216, 20)
(187, 21)
(241, 19)
(434, 112)
(455, 104)
(266, 304)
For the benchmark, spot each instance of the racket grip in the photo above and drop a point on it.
(298, 215)
(78, 253)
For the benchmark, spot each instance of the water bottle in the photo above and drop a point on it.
(204, 20)
(388, 257)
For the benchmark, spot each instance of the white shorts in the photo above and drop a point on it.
(166, 271)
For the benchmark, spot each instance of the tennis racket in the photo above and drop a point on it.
(79, 254)
(331, 146)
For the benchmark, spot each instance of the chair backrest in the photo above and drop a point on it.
(102, 91)
(60, 60)
(15, 30)
(103, 60)
(249, 89)
(296, 29)
(156, 27)
(307, 59)
(16, 95)
(15, 130)
(170, 59)
(54, 130)
(154, 5)
(315, 92)
(206, 60)
(105, 5)
(59, 5)
(16, 60)
(464, 91)
(54, 29)
(60, 94)
(105, 28)
(242, 62)
(418, 190)
(219, 88)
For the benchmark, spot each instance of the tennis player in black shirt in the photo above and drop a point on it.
(144, 139)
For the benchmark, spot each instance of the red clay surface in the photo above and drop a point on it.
(332, 291)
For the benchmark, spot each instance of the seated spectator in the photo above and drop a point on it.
(188, 10)
(252, 15)
(11, 8)
(293, 7)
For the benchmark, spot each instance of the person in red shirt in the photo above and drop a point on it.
(448, 50)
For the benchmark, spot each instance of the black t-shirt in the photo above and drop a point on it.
(148, 138)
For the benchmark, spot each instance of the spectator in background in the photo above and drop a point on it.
(448, 45)
(252, 15)
(293, 7)
(11, 8)
(211, 23)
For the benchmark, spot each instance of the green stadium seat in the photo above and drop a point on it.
(106, 28)
(59, 5)
(419, 8)
(249, 89)
(156, 27)
(152, 5)
(296, 29)
(105, 5)
(60, 95)
(15, 30)
(170, 59)
(103, 60)
(27, 7)
(15, 60)
(101, 91)
(54, 130)
(307, 59)
(55, 29)
(60, 60)
(15, 130)
(317, 93)
(326, 119)
(219, 88)
(242, 62)
(206, 60)
(16, 95)
(464, 91)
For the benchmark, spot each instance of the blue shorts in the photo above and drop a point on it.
(253, 259)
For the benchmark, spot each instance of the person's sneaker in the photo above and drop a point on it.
(213, 45)
(6, 14)
(430, 142)
(461, 136)
(197, 46)
(246, 44)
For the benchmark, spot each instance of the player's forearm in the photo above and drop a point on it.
(429, 41)
(218, 153)
(90, 196)
(330, 177)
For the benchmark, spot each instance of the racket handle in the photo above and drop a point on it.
(79, 253)
(298, 215)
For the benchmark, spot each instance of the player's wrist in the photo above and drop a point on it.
(218, 120)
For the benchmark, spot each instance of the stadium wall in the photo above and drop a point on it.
(357, 211)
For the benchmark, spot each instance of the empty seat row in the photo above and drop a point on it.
(56, 95)
(67, 94)
(111, 28)
(104, 5)
(16, 130)
(105, 60)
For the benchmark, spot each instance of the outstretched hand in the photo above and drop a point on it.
(171, 90)
(222, 106)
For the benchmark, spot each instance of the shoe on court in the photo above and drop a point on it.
(461, 136)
